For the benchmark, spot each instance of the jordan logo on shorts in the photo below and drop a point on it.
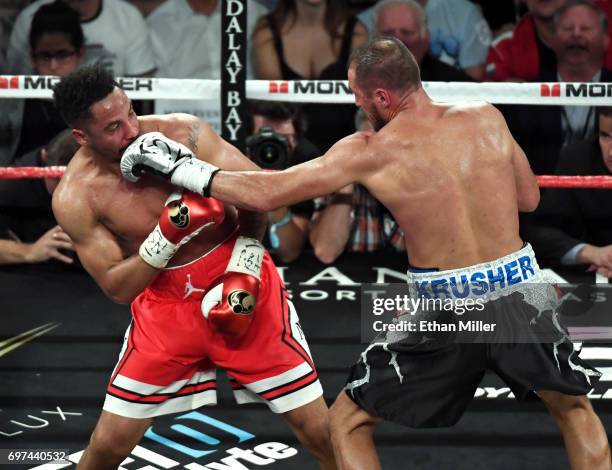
(189, 289)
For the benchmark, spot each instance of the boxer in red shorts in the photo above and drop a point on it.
(203, 291)
(270, 363)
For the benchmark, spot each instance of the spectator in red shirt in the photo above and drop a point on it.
(521, 54)
(518, 55)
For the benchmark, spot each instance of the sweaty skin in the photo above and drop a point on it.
(108, 217)
(452, 176)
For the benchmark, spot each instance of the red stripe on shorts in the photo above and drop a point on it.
(160, 397)
(290, 387)
(286, 337)
(128, 350)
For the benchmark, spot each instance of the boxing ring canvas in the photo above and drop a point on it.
(61, 337)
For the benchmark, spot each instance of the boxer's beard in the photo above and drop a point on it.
(377, 121)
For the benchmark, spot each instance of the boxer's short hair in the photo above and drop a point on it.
(385, 63)
(75, 93)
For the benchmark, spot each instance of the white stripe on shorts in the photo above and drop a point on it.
(142, 388)
(279, 380)
(244, 396)
(289, 402)
(130, 409)
(294, 400)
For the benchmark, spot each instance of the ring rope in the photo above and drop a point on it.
(20, 172)
(544, 181)
(592, 182)
(327, 91)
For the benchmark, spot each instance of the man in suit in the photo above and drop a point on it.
(580, 43)
(574, 226)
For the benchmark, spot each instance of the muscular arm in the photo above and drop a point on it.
(346, 162)
(330, 231)
(208, 146)
(121, 279)
(527, 190)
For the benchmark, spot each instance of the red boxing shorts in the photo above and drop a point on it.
(170, 354)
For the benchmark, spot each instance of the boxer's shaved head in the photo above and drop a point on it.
(385, 63)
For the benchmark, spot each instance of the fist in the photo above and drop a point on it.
(229, 306)
(153, 152)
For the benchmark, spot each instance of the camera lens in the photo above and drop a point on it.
(269, 153)
(268, 149)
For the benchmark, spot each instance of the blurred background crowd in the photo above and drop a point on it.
(452, 40)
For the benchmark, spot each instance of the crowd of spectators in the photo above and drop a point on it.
(452, 40)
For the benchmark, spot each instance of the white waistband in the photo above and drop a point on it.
(479, 280)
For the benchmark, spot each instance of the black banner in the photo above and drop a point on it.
(60, 339)
(233, 75)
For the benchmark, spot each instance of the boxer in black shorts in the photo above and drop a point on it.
(454, 179)
(427, 379)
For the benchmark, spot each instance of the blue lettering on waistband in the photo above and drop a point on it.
(440, 286)
(526, 267)
(480, 287)
(511, 269)
(422, 289)
(479, 282)
(501, 278)
(453, 285)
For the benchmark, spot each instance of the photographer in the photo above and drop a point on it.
(276, 142)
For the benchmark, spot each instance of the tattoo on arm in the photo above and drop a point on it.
(193, 137)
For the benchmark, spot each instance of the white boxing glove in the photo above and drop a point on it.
(155, 153)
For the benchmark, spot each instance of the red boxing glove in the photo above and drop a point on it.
(229, 305)
(185, 215)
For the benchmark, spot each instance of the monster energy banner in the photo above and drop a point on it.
(233, 62)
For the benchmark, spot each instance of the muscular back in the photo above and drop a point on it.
(450, 183)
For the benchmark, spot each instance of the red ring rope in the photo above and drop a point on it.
(19, 172)
(544, 181)
(552, 181)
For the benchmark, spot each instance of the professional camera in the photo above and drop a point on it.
(268, 149)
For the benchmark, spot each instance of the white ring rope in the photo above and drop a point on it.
(329, 91)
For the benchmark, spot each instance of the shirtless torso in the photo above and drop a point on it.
(452, 176)
(450, 179)
(108, 217)
(130, 210)
(177, 337)
(454, 179)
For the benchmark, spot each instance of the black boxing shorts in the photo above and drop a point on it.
(427, 379)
